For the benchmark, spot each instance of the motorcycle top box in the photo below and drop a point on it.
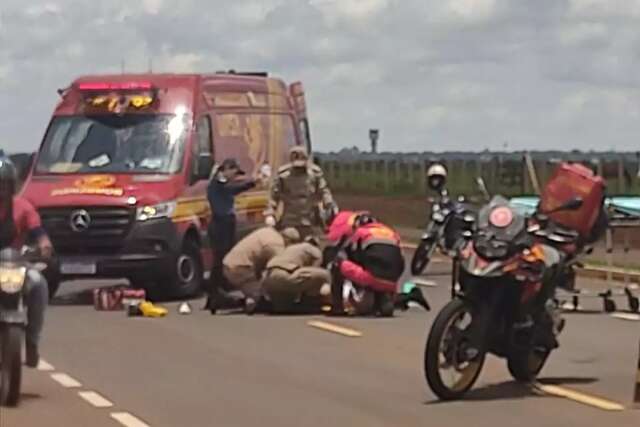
(571, 180)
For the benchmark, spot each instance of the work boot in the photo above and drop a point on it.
(221, 300)
(416, 296)
(32, 355)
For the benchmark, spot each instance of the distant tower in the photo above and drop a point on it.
(374, 134)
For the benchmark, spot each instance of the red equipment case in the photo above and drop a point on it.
(574, 180)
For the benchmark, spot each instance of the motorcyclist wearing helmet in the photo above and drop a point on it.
(437, 177)
(19, 223)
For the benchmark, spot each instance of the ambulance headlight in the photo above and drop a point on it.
(12, 279)
(161, 210)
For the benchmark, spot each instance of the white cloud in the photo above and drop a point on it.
(152, 7)
(471, 10)
(465, 73)
(38, 10)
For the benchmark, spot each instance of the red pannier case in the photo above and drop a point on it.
(574, 180)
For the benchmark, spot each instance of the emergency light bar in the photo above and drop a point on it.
(115, 86)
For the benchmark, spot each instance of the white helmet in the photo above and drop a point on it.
(437, 176)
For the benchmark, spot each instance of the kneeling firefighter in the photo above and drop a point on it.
(294, 279)
(368, 254)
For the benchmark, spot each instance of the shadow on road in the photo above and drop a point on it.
(511, 390)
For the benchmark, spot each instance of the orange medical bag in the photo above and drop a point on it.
(572, 180)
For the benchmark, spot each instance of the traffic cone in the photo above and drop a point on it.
(184, 308)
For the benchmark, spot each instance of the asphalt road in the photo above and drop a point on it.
(234, 370)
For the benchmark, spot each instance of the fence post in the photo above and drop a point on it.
(621, 182)
(328, 169)
(609, 250)
(386, 175)
(422, 179)
(636, 396)
(410, 166)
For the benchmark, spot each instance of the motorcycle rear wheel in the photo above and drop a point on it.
(11, 369)
(445, 328)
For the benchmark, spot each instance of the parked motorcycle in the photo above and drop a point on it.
(450, 219)
(501, 272)
(13, 321)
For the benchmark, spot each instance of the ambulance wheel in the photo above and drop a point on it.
(187, 272)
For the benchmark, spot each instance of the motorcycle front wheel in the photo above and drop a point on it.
(524, 366)
(422, 256)
(450, 370)
(11, 368)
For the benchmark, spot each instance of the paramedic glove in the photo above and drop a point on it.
(270, 221)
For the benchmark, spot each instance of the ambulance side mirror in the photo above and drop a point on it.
(204, 164)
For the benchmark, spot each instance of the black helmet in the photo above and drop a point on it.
(8, 177)
(363, 218)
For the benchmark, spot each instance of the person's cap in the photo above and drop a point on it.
(231, 163)
(299, 156)
(291, 234)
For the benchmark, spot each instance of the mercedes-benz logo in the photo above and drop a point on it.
(80, 220)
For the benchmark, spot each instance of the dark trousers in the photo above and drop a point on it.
(222, 235)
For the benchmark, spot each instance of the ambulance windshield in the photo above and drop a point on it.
(128, 143)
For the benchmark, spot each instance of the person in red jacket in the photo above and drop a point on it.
(369, 256)
(19, 223)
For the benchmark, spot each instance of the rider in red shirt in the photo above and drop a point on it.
(19, 223)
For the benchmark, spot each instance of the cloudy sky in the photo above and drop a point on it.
(431, 74)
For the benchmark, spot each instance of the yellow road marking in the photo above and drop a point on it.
(576, 396)
(330, 327)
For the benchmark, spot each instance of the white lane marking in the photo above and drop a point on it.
(45, 366)
(128, 420)
(426, 283)
(576, 396)
(626, 316)
(570, 307)
(95, 399)
(65, 380)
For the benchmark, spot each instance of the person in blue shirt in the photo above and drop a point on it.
(224, 186)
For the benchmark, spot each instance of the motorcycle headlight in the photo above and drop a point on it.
(437, 216)
(161, 210)
(12, 279)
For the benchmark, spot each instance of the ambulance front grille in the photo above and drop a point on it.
(87, 230)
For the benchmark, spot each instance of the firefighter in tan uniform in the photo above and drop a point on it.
(294, 275)
(300, 193)
(245, 264)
